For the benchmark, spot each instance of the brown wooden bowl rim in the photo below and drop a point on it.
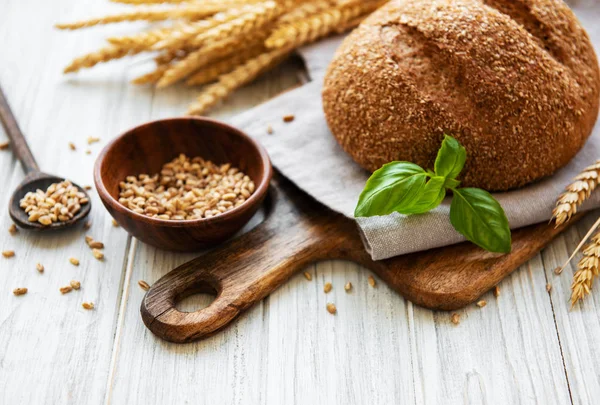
(255, 198)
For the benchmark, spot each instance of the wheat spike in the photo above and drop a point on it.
(587, 269)
(244, 25)
(235, 22)
(238, 77)
(198, 59)
(576, 193)
(148, 14)
(143, 39)
(162, 65)
(319, 25)
(303, 11)
(179, 37)
(222, 66)
(102, 55)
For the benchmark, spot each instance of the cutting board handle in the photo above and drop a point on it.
(247, 269)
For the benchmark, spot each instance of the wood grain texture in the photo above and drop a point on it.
(378, 349)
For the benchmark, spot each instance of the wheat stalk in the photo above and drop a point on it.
(192, 12)
(576, 193)
(238, 77)
(102, 55)
(587, 269)
(223, 40)
(215, 70)
(143, 39)
(304, 10)
(243, 25)
(181, 36)
(309, 29)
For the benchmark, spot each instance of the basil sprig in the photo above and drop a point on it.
(407, 188)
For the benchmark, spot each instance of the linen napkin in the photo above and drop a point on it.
(306, 152)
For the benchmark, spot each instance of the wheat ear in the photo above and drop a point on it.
(143, 39)
(179, 37)
(587, 269)
(576, 193)
(147, 15)
(162, 65)
(303, 11)
(319, 25)
(238, 77)
(223, 66)
(102, 55)
(244, 25)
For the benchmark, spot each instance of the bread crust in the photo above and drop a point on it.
(515, 81)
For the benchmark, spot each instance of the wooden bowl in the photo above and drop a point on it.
(144, 149)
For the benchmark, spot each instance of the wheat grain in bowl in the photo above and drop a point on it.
(186, 189)
(59, 203)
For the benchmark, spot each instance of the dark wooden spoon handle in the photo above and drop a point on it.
(18, 142)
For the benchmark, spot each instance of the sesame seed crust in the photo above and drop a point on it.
(515, 81)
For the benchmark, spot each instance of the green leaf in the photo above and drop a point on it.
(450, 158)
(396, 187)
(480, 218)
(433, 194)
(451, 183)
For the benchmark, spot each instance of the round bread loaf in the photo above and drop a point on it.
(515, 81)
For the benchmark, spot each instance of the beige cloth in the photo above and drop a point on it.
(306, 152)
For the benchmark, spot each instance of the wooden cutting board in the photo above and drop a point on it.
(297, 231)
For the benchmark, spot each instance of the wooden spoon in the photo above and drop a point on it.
(34, 178)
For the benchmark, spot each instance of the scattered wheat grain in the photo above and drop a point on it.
(40, 267)
(327, 287)
(331, 308)
(74, 261)
(66, 289)
(481, 303)
(4, 145)
(348, 286)
(88, 305)
(8, 253)
(75, 284)
(307, 275)
(98, 254)
(12, 229)
(455, 318)
(144, 285)
(371, 281)
(20, 291)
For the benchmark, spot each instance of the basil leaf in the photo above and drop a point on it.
(480, 218)
(450, 158)
(433, 194)
(395, 187)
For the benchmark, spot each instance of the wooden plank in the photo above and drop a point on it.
(578, 328)
(52, 350)
(505, 352)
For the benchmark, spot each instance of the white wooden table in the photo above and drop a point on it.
(525, 346)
